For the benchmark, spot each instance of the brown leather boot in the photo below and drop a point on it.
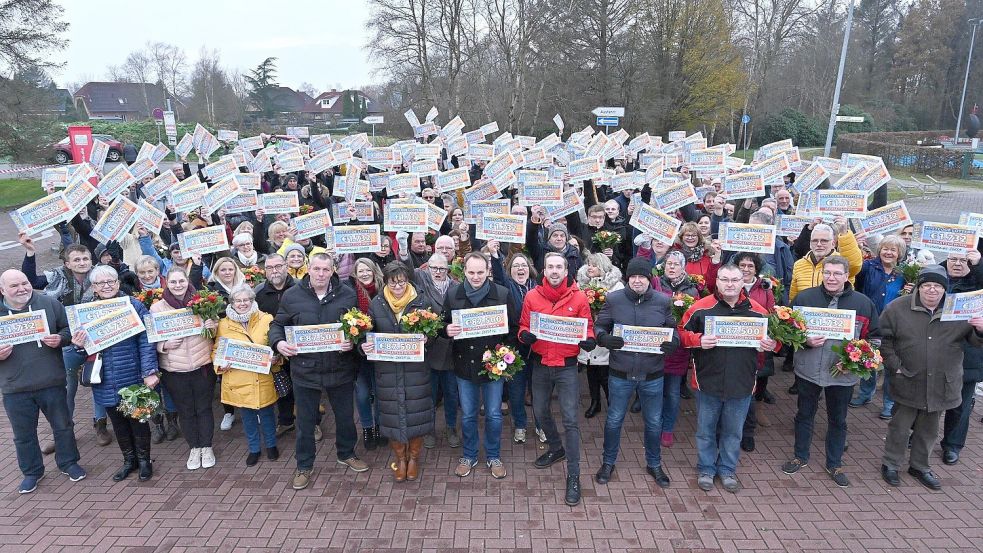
(399, 463)
(413, 466)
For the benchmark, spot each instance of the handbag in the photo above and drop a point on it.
(91, 371)
(282, 383)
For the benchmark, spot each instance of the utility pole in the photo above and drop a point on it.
(969, 59)
(839, 81)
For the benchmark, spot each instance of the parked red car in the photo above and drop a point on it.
(63, 151)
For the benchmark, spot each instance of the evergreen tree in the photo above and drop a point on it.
(262, 86)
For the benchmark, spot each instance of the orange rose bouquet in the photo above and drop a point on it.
(787, 326)
(355, 324)
(149, 296)
(596, 296)
(254, 275)
(138, 402)
(421, 321)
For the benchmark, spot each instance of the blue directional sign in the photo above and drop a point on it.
(746, 119)
(608, 121)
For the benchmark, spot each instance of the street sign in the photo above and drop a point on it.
(609, 112)
(170, 127)
(849, 119)
(607, 121)
(374, 120)
(158, 114)
(746, 119)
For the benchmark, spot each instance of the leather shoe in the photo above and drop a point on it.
(747, 444)
(549, 458)
(660, 476)
(603, 475)
(949, 457)
(926, 478)
(594, 409)
(572, 496)
(890, 476)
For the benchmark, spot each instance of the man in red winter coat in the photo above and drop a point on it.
(554, 365)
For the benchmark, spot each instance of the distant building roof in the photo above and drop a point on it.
(135, 98)
(332, 103)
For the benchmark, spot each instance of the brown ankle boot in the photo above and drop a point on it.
(399, 463)
(413, 467)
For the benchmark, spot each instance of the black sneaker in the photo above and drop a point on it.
(603, 475)
(839, 477)
(549, 458)
(572, 497)
(793, 466)
(747, 444)
(660, 476)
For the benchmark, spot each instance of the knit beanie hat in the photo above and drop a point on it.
(292, 247)
(558, 227)
(933, 273)
(639, 266)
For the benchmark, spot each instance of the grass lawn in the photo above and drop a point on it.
(18, 192)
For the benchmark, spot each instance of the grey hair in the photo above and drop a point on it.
(146, 261)
(763, 217)
(600, 261)
(438, 257)
(824, 226)
(241, 239)
(102, 271)
(242, 288)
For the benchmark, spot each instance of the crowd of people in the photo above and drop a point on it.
(931, 366)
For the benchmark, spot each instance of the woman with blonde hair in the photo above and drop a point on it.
(367, 281)
(597, 271)
(226, 275)
(702, 259)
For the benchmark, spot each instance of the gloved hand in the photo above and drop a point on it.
(611, 341)
(527, 337)
(588, 344)
(668, 347)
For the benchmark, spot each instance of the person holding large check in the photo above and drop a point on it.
(725, 375)
(834, 312)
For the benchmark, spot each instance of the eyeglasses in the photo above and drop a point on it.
(396, 283)
(730, 280)
(438, 269)
(957, 261)
(245, 301)
(105, 283)
(820, 241)
(932, 287)
(836, 274)
(275, 267)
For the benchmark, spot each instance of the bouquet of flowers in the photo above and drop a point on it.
(501, 362)
(910, 274)
(148, 297)
(254, 275)
(606, 239)
(354, 324)
(457, 268)
(596, 296)
(701, 284)
(138, 402)
(207, 305)
(777, 288)
(857, 357)
(681, 304)
(659, 270)
(421, 321)
(787, 326)
(305, 209)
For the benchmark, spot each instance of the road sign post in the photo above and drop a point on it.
(607, 122)
(374, 120)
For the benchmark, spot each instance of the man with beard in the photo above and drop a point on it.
(268, 295)
(416, 252)
(557, 240)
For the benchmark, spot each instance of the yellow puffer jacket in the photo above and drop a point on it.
(244, 388)
(807, 273)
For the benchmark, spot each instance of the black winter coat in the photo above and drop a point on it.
(402, 389)
(628, 308)
(300, 306)
(466, 353)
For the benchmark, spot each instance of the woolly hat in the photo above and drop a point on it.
(293, 247)
(639, 266)
(933, 273)
(558, 227)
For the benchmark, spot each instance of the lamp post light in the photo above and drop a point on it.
(969, 60)
(839, 81)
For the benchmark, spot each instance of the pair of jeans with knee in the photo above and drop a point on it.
(342, 400)
(719, 426)
(23, 411)
(255, 420)
(837, 403)
(564, 380)
(670, 401)
(516, 390)
(620, 393)
(956, 424)
(446, 381)
(471, 396)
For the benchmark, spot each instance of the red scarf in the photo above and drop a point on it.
(178, 303)
(554, 294)
(364, 293)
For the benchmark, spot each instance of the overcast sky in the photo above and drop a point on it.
(316, 41)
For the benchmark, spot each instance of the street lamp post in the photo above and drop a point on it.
(962, 100)
(839, 81)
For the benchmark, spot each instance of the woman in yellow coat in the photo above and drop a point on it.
(252, 392)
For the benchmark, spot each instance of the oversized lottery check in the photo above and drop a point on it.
(245, 202)
(655, 223)
(835, 324)
(405, 216)
(501, 165)
(219, 194)
(354, 239)
(85, 312)
(185, 146)
(225, 135)
(252, 143)
(572, 202)
(279, 202)
(245, 356)
(396, 348)
(435, 216)
(642, 339)
(792, 225)
(383, 158)
(773, 169)
(738, 237)
(116, 221)
(483, 189)
(625, 181)
(112, 328)
(967, 218)
(710, 160)
(544, 193)
(42, 214)
(736, 332)
(149, 216)
(289, 161)
(316, 338)
(78, 195)
(743, 185)
(481, 321)
(218, 170)
(248, 181)
(403, 184)
(115, 182)
(363, 211)
(454, 179)
(502, 227)
(942, 237)
(54, 177)
(675, 196)
(477, 209)
(203, 240)
(887, 219)
(172, 324)
(313, 224)
(810, 179)
(160, 185)
(141, 168)
(584, 169)
(22, 328)
(100, 150)
(963, 307)
(846, 203)
(189, 196)
(560, 330)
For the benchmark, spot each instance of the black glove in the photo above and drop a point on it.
(588, 344)
(527, 337)
(668, 347)
(611, 341)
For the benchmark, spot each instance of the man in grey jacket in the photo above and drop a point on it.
(32, 378)
(814, 368)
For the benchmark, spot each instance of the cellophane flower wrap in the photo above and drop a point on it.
(149, 296)
(207, 305)
(501, 362)
(857, 357)
(254, 275)
(680, 305)
(606, 239)
(787, 326)
(355, 324)
(910, 274)
(138, 402)
(596, 296)
(456, 269)
(421, 321)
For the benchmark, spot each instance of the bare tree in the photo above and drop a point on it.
(168, 66)
(29, 31)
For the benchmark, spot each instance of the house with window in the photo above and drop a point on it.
(340, 107)
(119, 101)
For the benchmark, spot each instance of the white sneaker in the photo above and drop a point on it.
(542, 435)
(227, 421)
(207, 457)
(519, 436)
(194, 459)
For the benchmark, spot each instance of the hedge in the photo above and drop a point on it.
(902, 150)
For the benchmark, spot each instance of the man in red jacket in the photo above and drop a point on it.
(555, 366)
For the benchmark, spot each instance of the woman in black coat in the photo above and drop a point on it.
(403, 389)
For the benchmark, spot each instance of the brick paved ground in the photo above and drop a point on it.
(231, 507)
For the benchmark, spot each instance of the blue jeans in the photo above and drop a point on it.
(167, 398)
(22, 410)
(670, 401)
(252, 420)
(72, 382)
(956, 424)
(471, 396)
(837, 402)
(620, 392)
(517, 398)
(867, 388)
(719, 455)
(446, 381)
(366, 396)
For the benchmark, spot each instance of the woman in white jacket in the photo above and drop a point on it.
(597, 271)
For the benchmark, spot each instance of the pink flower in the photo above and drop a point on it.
(486, 356)
(855, 356)
(508, 358)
